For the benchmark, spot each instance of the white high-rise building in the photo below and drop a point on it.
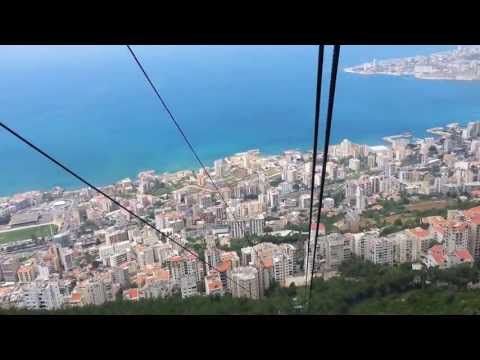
(244, 282)
(380, 250)
(114, 235)
(212, 257)
(360, 246)
(285, 187)
(145, 256)
(346, 148)
(162, 252)
(184, 266)
(283, 263)
(273, 198)
(309, 250)
(247, 255)
(161, 221)
(219, 168)
(241, 228)
(354, 164)
(328, 203)
(371, 161)
(188, 286)
(305, 201)
(307, 173)
(95, 292)
(291, 175)
(43, 294)
(66, 258)
(118, 259)
(120, 276)
(360, 200)
(338, 248)
(213, 284)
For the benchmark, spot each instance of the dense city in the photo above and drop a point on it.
(463, 63)
(411, 201)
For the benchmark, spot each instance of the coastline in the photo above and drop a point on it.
(209, 164)
(407, 74)
(265, 151)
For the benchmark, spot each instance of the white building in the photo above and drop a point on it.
(244, 282)
(118, 259)
(43, 294)
(273, 198)
(247, 255)
(212, 257)
(338, 248)
(66, 258)
(213, 284)
(157, 289)
(219, 168)
(145, 256)
(188, 286)
(360, 200)
(241, 228)
(114, 235)
(95, 292)
(120, 276)
(380, 250)
(354, 164)
(328, 203)
(305, 201)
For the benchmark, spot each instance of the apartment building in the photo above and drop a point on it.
(42, 294)
(241, 228)
(244, 282)
(380, 251)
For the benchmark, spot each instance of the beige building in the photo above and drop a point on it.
(244, 282)
(26, 273)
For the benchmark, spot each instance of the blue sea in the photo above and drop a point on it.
(90, 107)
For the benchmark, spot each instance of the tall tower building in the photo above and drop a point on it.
(244, 282)
(219, 168)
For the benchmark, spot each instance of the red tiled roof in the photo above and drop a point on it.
(132, 294)
(163, 274)
(434, 220)
(76, 297)
(458, 225)
(24, 268)
(419, 232)
(228, 255)
(176, 258)
(223, 266)
(438, 228)
(438, 253)
(472, 212)
(475, 219)
(268, 262)
(192, 256)
(321, 228)
(214, 284)
(464, 255)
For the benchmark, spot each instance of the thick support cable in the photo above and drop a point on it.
(331, 101)
(315, 147)
(81, 179)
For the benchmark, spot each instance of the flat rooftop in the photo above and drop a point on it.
(26, 218)
(377, 148)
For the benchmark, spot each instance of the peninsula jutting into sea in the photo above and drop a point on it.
(463, 63)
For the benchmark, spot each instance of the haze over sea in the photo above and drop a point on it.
(90, 107)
